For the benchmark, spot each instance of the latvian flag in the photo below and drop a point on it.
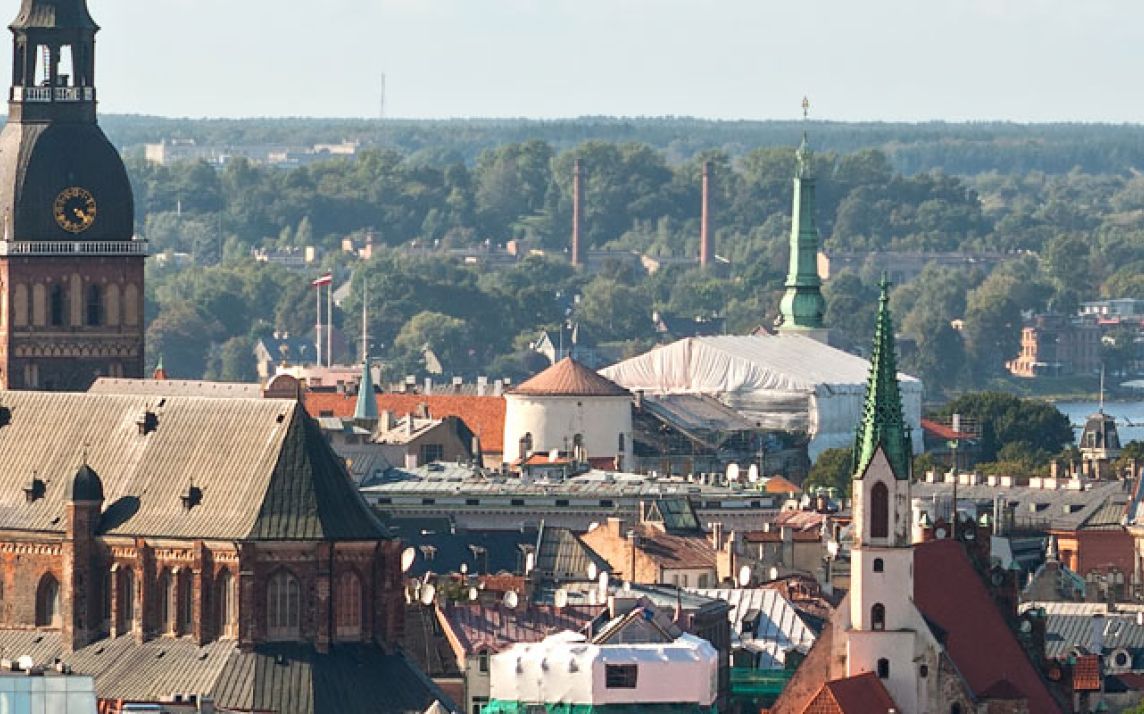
(324, 280)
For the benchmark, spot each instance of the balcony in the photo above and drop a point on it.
(51, 247)
(46, 95)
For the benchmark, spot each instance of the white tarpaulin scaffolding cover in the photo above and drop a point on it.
(783, 382)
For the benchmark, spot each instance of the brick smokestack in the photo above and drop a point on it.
(577, 208)
(705, 247)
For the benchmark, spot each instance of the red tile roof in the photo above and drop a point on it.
(569, 378)
(862, 694)
(942, 431)
(778, 484)
(950, 593)
(483, 415)
(1086, 674)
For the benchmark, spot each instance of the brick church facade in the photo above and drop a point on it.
(71, 272)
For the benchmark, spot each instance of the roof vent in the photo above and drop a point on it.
(192, 497)
(5, 416)
(147, 422)
(35, 488)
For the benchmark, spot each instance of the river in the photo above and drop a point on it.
(1129, 416)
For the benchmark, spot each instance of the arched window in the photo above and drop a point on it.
(955, 708)
(94, 305)
(347, 605)
(58, 307)
(48, 602)
(879, 565)
(283, 606)
(878, 616)
(125, 598)
(526, 445)
(224, 593)
(883, 668)
(186, 596)
(879, 511)
(166, 594)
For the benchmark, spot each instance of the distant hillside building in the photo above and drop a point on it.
(1056, 345)
(902, 266)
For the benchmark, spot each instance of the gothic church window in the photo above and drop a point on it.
(347, 605)
(879, 511)
(94, 306)
(58, 307)
(283, 606)
(186, 602)
(125, 594)
(166, 592)
(226, 606)
(48, 602)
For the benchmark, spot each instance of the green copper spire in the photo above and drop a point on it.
(802, 305)
(365, 409)
(882, 421)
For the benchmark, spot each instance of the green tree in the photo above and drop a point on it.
(448, 338)
(1037, 425)
(831, 470)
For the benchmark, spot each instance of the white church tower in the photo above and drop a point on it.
(883, 618)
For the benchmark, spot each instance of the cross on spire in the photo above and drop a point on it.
(805, 108)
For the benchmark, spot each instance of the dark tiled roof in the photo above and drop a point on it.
(562, 555)
(569, 378)
(949, 593)
(282, 678)
(261, 466)
(442, 548)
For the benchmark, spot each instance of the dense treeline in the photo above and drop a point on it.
(1070, 236)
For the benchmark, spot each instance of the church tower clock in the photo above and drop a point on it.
(71, 272)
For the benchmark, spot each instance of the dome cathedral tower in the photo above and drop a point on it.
(71, 274)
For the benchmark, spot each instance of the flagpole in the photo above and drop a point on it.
(330, 327)
(318, 326)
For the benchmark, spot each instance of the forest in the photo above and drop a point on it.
(1063, 203)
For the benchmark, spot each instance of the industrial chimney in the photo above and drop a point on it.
(577, 194)
(705, 219)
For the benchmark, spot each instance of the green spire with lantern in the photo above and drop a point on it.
(802, 306)
(882, 421)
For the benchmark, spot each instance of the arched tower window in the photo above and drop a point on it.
(225, 597)
(347, 605)
(283, 606)
(111, 305)
(48, 602)
(94, 305)
(166, 594)
(879, 565)
(879, 511)
(878, 616)
(883, 668)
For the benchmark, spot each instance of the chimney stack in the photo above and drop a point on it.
(577, 197)
(705, 252)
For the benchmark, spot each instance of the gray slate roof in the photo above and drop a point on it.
(175, 388)
(264, 470)
(284, 679)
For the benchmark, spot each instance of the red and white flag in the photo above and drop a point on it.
(324, 280)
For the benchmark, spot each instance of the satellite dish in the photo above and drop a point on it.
(473, 594)
(560, 598)
(529, 563)
(744, 576)
(511, 599)
(464, 568)
(753, 473)
(774, 573)
(732, 472)
(603, 585)
(25, 662)
(593, 597)
(593, 526)
(939, 533)
(427, 594)
(832, 548)
(592, 571)
(407, 557)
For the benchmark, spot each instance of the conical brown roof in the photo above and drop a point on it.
(569, 378)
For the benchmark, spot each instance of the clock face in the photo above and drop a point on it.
(74, 209)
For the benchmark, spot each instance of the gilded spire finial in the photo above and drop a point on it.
(805, 107)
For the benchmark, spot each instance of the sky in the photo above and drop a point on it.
(890, 60)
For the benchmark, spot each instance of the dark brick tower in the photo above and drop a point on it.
(71, 273)
(80, 591)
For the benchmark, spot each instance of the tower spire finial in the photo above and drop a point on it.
(802, 306)
(805, 107)
(883, 424)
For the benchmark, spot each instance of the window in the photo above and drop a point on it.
(94, 306)
(923, 671)
(125, 598)
(479, 704)
(621, 443)
(526, 444)
(58, 303)
(472, 501)
(283, 606)
(883, 668)
(955, 708)
(879, 511)
(878, 616)
(166, 592)
(430, 453)
(347, 605)
(186, 602)
(483, 662)
(879, 565)
(607, 503)
(428, 501)
(224, 592)
(517, 501)
(561, 502)
(48, 602)
(620, 676)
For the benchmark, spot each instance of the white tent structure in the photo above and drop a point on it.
(785, 382)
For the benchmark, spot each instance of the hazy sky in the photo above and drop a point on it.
(1024, 60)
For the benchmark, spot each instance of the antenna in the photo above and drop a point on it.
(1102, 388)
(381, 107)
(365, 322)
